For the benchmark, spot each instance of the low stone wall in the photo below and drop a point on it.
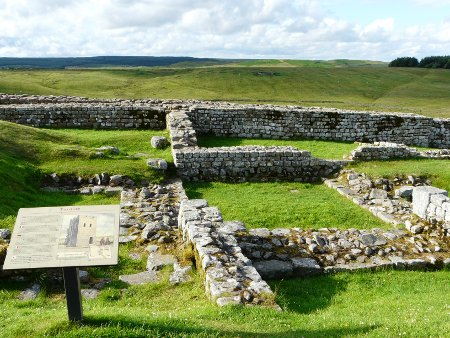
(230, 277)
(388, 150)
(101, 116)
(320, 123)
(382, 151)
(241, 163)
(252, 163)
(432, 204)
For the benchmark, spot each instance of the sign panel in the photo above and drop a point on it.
(64, 236)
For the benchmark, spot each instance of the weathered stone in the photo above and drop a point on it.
(378, 194)
(84, 276)
(108, 149)
(30, 293)
(180, 274)
(5, 233)
(152, 228)
(260, 232)
(404, 192)
(273, 269)
(232, 227)
(372, 240)
(116, 180)
(159, 142)
(97, 190)
(90, 293)
(157, 163)
(140, 278)
(305, 266)
(223, 301)
(421, 199)
(416, 229)
(157, 261)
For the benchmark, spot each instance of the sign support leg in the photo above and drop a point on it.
(73, 293)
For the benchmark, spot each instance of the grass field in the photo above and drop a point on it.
(284, 205)
(383, 304)
(424, 91)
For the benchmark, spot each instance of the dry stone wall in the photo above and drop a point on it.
(383, 151)
(252, 163)
(322, 124)
(100, 116)
(225, 119)
(241, 163)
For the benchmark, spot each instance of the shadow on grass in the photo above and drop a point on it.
(209, 141)
(126, 327)
(194, 189)
(307, 295)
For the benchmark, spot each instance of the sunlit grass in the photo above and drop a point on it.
(423, 91)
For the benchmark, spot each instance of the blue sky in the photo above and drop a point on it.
(292, 29)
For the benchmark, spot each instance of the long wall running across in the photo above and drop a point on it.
(320, 123)
(225, 119)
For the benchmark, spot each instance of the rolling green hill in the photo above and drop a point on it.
(423, 91)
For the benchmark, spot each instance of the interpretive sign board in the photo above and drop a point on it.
(64, 237)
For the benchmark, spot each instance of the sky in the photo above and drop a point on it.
(280, 29)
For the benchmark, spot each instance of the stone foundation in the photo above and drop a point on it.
(241, 163)
(230, 277)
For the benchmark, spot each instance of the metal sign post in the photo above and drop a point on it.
(73, 294)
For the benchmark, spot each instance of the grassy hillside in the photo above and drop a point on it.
(26, 153)
(424, 91)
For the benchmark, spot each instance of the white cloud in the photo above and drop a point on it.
(208, 28)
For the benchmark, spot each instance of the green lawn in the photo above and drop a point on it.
(382, 304)
(422, 91)
(319, 149)
(283, 205)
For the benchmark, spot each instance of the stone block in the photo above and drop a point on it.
(274, 269)
(157, 163)
(421, 198)
(305, 266)
(404, 192)
(159, 142)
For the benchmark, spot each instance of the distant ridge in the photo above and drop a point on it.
(103, 61)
